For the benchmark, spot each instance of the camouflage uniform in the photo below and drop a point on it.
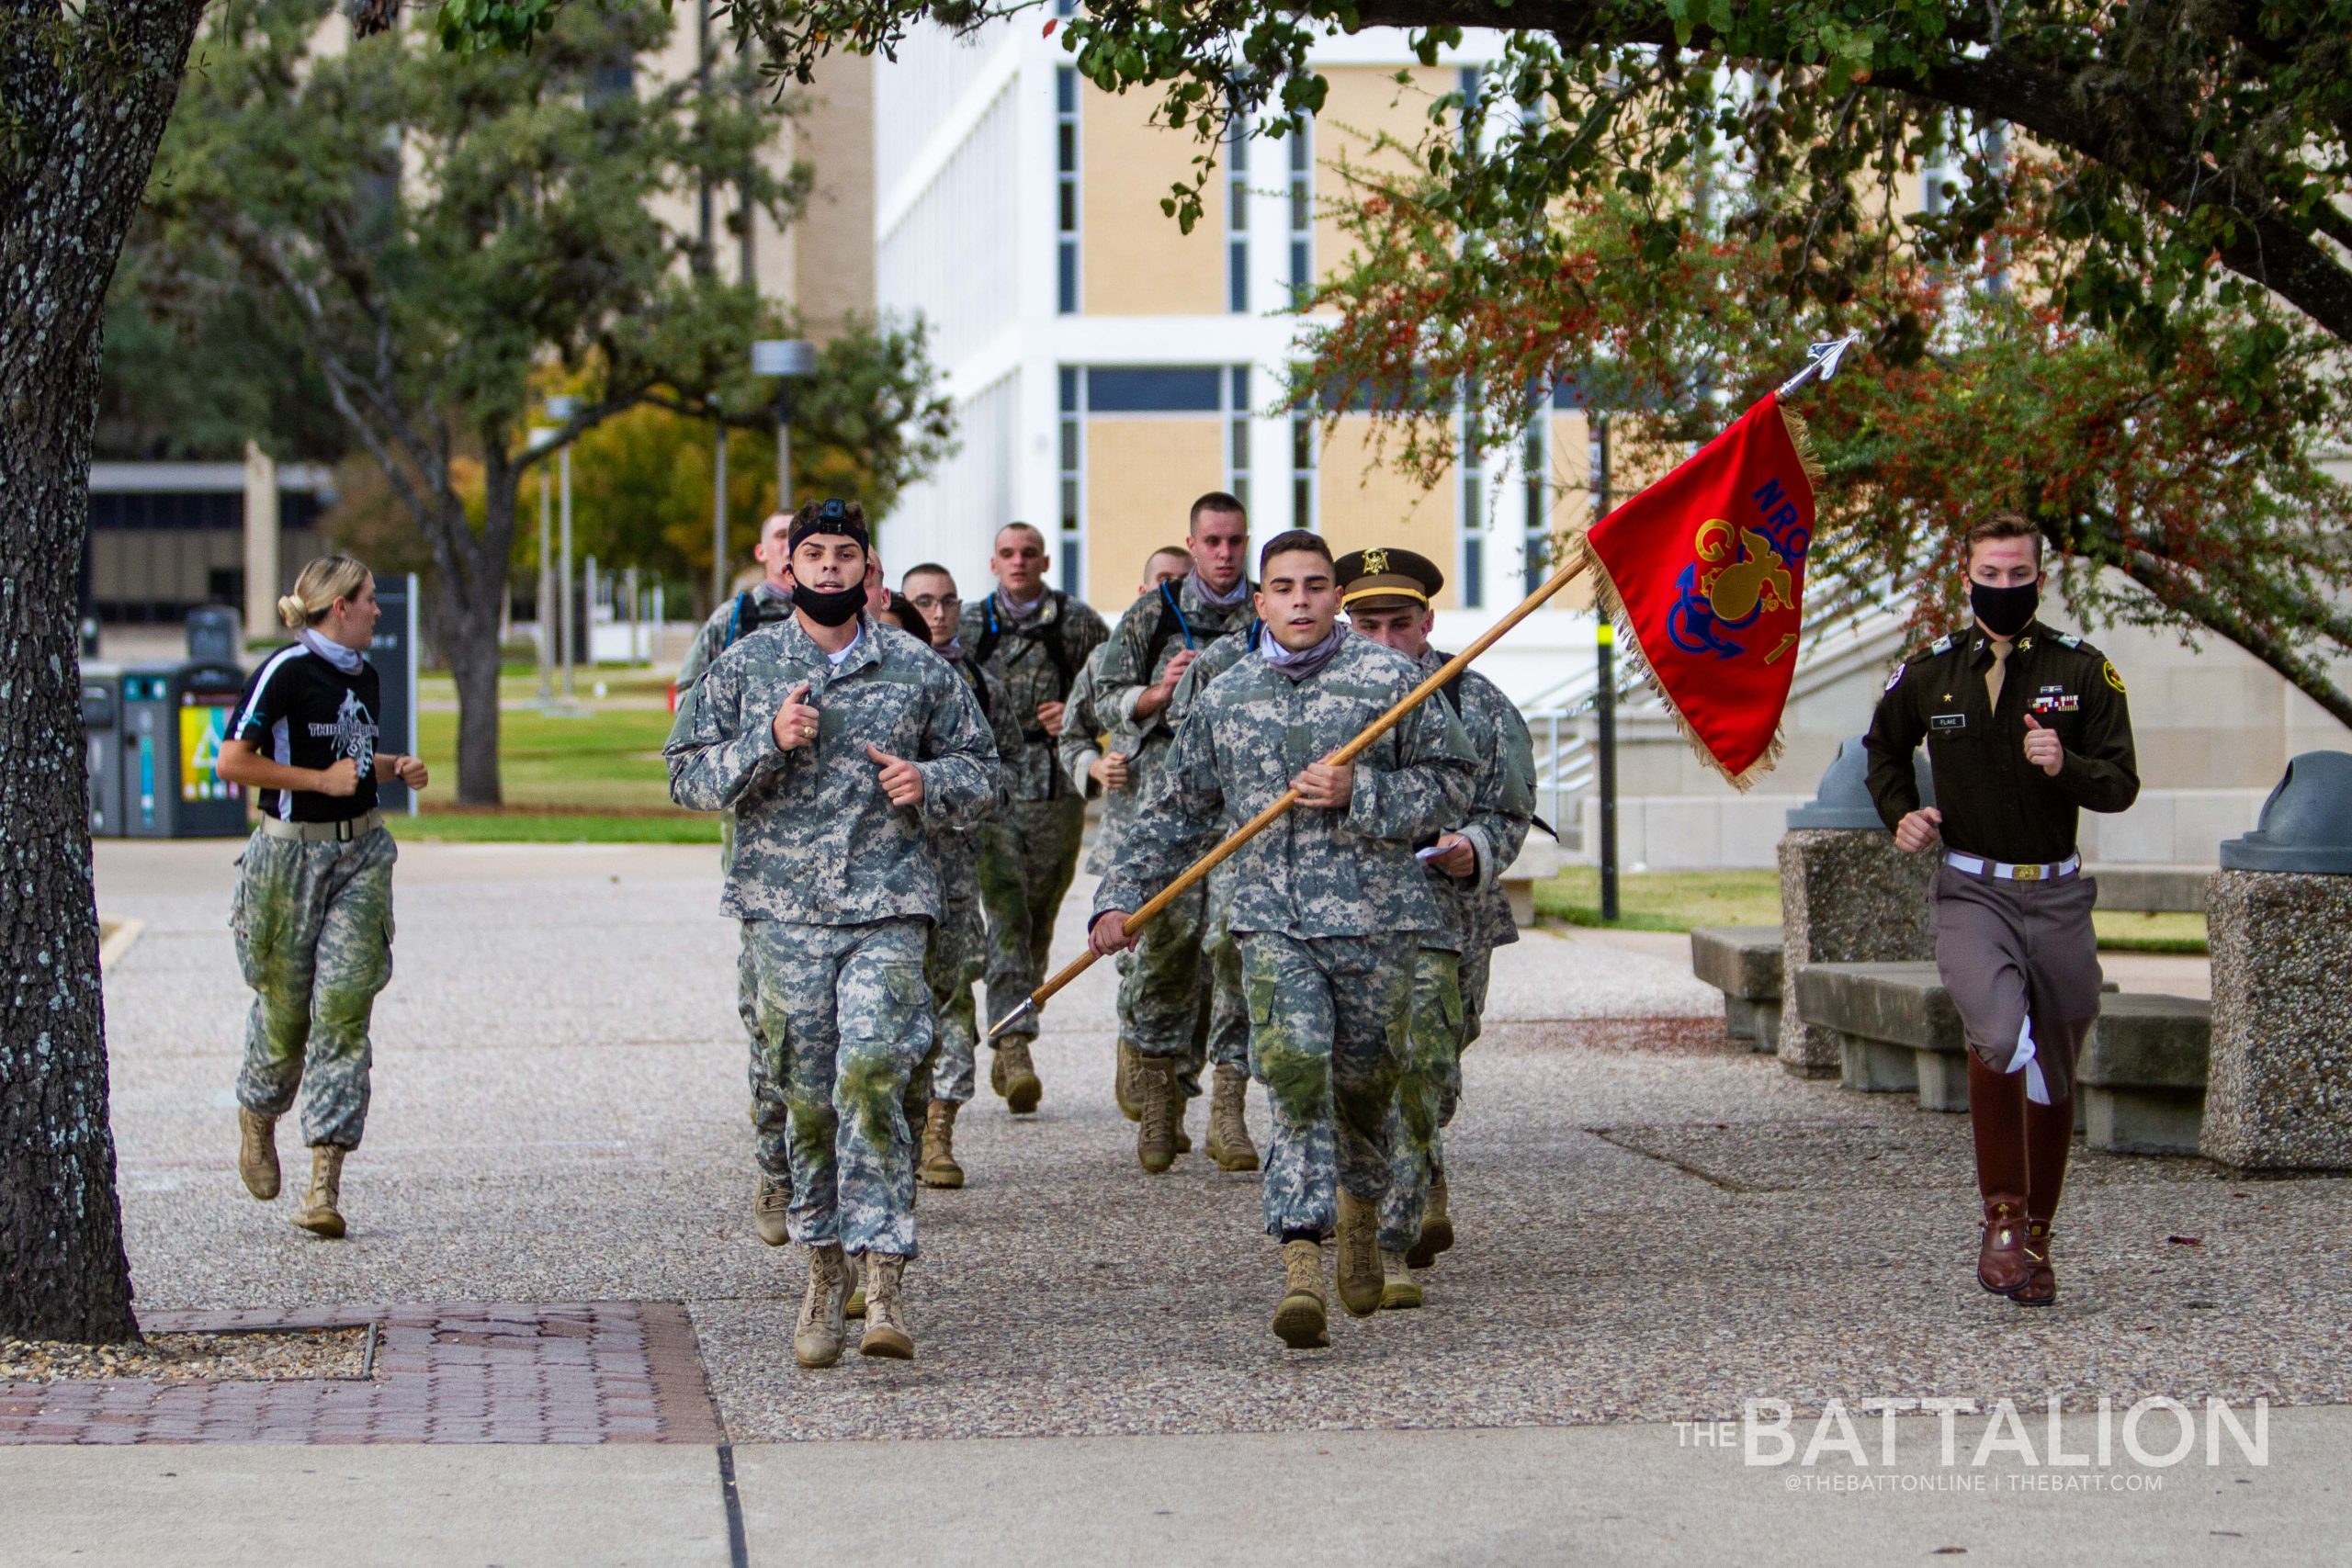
(1163, 1007)
(313, 923)
(836, 888)
(1226, 1040)
(1450, 975)
(1326, 905)
(1029, 851)
(958, 951)
(734, 619)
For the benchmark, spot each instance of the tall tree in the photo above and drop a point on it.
(84, 94)
(438, 229)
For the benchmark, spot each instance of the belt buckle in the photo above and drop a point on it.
(2025, 873)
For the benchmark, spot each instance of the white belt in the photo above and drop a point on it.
(346, 831)
(2002, 871)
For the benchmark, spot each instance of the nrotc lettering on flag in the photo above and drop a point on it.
(1704, 572)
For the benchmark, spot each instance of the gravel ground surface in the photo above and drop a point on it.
(1654, 1224)
(192, 1358)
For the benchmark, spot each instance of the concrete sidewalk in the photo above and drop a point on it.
(1632, 1495)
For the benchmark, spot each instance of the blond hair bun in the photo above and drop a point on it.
(290, 610)
(318, 586)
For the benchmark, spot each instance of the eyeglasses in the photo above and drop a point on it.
(936, 602)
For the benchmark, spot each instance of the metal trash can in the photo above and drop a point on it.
(102, 744)
(173, 718)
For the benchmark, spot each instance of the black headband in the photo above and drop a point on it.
(832, 517)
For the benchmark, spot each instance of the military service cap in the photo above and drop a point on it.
(1384, 574)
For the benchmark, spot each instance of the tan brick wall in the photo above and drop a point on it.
(832, 245)
(1364, 502)
(1141, 475)
(1133, 259)
(1362, 102)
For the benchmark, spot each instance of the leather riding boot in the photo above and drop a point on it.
(2049, 1139)
(1359, 1265)
(1997, 1117)
(769, 1205)
(1303, 1320)
(1015, 1076)
(257, 1152)
(1398, 1286)
(1437, 1228)
(1229, 1142)
(817, 1337)
(1123, 1083)
(322, 1214)
(2041, 1288)
(1154, 1085)
(889, 1334)
(939, 1166)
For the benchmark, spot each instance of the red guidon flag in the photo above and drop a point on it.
(1704, 571)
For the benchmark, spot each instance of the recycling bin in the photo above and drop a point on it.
(173, 720)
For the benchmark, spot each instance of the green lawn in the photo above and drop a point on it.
(607, 760)
(1677, 900)
(557, 828)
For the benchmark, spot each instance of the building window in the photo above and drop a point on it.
(1302, 471)
(1066, 189)
(1534, 464)
(1302, 216)
(1073, 474)
(1470, 589)
(1237, 419)
(1237, 188)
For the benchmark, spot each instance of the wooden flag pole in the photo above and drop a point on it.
(1289, 797)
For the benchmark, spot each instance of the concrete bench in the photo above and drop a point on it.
(1743, 963)
(2142, 1075)
(1539, 861)
(1897, 1030)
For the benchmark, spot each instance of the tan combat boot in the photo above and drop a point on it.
(1437, 1230)
(1014, 1076)
(1303, 1320)
(1359, 1263)
(1398, 1289)
(319, 1213)
(257, 1152)
(856, 1305)
(939, 1166)
(817, 1337)
(1155, 1085)
(1229, 1142)
(887, 1331)
(1123, 1083)
(769, 1205)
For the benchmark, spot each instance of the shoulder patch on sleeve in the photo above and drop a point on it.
(1895, 678)
(2106, 667)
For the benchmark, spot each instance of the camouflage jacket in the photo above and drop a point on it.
(1502, 808)
(1018, 657)
(816, 840)
(767, 607)
(1215, 660)
(1313, 873)
(1130, 662)
(958, 849)
(1089, 729)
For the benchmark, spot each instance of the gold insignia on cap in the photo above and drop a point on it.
(1376, 562)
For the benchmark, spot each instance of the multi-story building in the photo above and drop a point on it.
(1109, 368)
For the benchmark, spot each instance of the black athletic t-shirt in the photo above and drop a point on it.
(300, 710)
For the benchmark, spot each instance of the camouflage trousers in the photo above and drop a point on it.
(771, 1116)
(957, 955)
(1327, 1037)
(1177, 1001)
(1028, 858)
(846, 1019)
(1432, 1062)
(313, 923)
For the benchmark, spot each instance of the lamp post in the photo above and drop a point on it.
(784, 358)
(540, 436)
(719, 515)
(563, 409)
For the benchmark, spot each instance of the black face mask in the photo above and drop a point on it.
(2005, 611)
(829, 608)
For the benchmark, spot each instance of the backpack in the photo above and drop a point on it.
(992, 633)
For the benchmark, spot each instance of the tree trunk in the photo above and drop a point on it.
(471, 599)
(88, 96)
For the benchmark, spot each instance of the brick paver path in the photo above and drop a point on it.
(470, 1372)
